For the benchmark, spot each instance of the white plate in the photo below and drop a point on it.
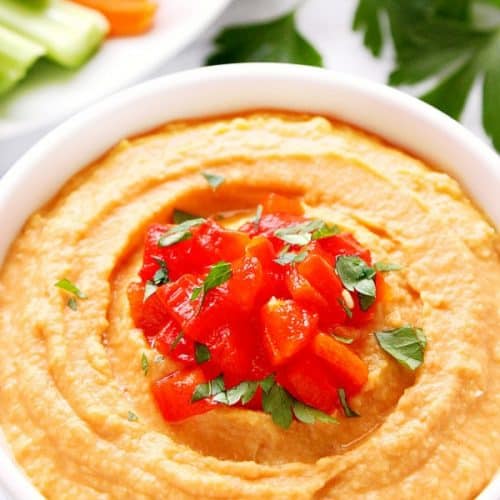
(51, 93)
(399, 118)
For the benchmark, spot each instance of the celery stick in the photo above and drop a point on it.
(69, 33)
(17, 55)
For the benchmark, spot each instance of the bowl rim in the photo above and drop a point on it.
(279, 76)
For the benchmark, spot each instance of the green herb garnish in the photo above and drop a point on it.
(145, 364)
(285, 257)
(278, 403)
(343, 340)
(149, 289)
(213, 180)
(308, 415)
(325, 231)
(66, 285)
(357, 276)
(348, 411)
(161, 275)
(273, 41)
(176, 341)
(179, 233)
(201, 353)
(385, 267)
(258, 215)
(209, 389)
(447, 39)
(406, 344)
(132, 417)
(243, 392)
(179, 216)
(219, 273)
(299, 234)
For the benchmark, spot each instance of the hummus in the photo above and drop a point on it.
(69, 380)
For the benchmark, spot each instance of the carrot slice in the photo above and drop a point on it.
(126, 17)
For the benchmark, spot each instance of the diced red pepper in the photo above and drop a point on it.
(173, 395)
(360, 317)
(304, 293)
(247, 282)
(155, 314)
(322, 277)
(348, 368)
(288, 328)
(171, 342)
(308, 379)
(269, 224)
(278, 204)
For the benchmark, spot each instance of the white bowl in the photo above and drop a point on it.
(397, 117)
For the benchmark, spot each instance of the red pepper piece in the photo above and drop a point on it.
(247, 282)
(288, 328)
(304, 293)
(308, 379)
(173, 395)
(322, 277)
(171, 343)
(347, 367)
(277, 204)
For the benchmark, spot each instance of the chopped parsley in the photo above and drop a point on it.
(343, 340)
(285, 257)
(149, 289)
(299, 234)
(325, 231)
(258, 216)
(209, 389)
(161, 275)
(348, 411)
(356, 275)
(66, 285)
(132, 417)
(308, 415)
(219, 273)
(201, 353)
(176, 341)
(406, 344)
(179, 216)
(213, 180)
(385, 267)
(179, 233)
(144, 364)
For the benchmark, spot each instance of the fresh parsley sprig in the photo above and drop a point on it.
(430, 38)
(179, 233)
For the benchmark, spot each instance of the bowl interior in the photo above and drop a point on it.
(398, 118)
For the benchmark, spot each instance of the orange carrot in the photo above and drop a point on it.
(126, 17)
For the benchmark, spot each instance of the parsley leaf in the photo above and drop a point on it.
(343, 340)
(258, 216)
(219, 273)
(66, 284)
(145, 364)
(356, 275)
(72, 303)
(385, 267)
(273, 41)
(268, 382)
(285, 257)
(176, 341)
(348, 411)
(208, 389)
(179, 233)
(406, 345)
(278, 403)
(201, 353)
(325, 231)
(308, 415)
(161, 276)
(179, 216)
(299, 234)
(213, 180)
(430, 38)
(243, 392)
(132, 417)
